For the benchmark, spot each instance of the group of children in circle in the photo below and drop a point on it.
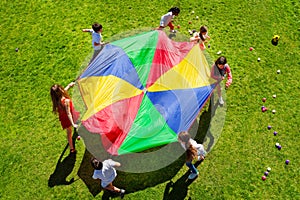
(68, 116)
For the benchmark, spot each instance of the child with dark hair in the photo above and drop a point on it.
(193, 151)
(96, 38)
(201, 37)
(63, 106)
(219, 70)
(106, 172)
(166, 20)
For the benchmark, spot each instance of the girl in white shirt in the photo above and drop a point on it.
(166, 20)
(201, 37)
(193, 151)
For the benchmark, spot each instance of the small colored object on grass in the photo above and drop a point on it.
(219, 52)
(266, 173)
(275, 40)
(264, 109)
(190, 22)
(274, 96)
(258, 59)
(190, 32)
(251, 48)
(197, 17)
(264, 99)
(263, 178)
(178, 26)
(273, 111)
(275, 133)
(78, 137)
(277, 144)
(287, 162)
(278, 71)
(279, 147)
(269, 169)
(208, 46)
(17, 49)
(269, 127)
(193, 12)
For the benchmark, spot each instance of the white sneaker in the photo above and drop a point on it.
(193, 175)
(221, 102)
(122, 193)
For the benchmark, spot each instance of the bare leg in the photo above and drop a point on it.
(69, 137)
(112, 188)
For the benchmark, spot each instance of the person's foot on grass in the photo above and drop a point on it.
(122, 193)
(193, 175)
(221, 101)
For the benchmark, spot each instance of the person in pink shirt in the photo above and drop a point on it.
(220, 70)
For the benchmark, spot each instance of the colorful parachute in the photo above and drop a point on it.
(139, 92)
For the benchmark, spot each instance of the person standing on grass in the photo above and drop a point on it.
(193, 151)
(166, 20)
(106, 172)
(219, 70)
(96, 38)
(63, 106)
(201, 37)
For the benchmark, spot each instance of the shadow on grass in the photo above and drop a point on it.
(133, 182)
(179, 189)
(64, 167)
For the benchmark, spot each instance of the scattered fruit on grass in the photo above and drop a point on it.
(275, 133)
(273, 111)
(78, 137)
(197, 17)
(17, 49)
(278, 71)
(190, 22)
(251, 48)
(274, 96)
(258, 59)
(219, 52)
(264, 99)
(269, 169)
(263, 178)
(269, 127)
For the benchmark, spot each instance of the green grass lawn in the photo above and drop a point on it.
(52, 49)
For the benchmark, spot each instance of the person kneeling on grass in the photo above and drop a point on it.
(106, 172)
(193, 150)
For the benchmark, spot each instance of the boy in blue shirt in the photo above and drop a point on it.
(96, 38)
